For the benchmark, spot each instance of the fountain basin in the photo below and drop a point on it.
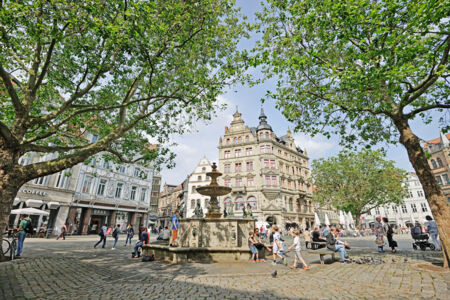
(214, 191)
(207, 240)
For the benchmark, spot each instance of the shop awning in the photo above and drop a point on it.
(52, 205)
(16, 201)
(34, 203)
(29, 211)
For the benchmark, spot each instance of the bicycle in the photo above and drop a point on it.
(10, 246)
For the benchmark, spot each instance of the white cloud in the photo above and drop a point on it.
(202, 141)
(315, 148)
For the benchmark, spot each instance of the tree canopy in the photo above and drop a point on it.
(350, 67)
(124, 71)
(358, 182)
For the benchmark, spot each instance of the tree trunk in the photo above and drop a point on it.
(10, 182)
(433, 193)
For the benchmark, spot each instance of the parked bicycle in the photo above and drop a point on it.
(10, 245)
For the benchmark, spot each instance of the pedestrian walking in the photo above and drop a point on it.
(379, 234)
(433, 231)
(174, 228)
(144, 239)
(115, 235)
(130, 234)
(63, 232)
(389, 235)
(24, 228)
(298, 256)
(102, 234)
(276, 247)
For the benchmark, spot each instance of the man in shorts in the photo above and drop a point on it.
(174, 228)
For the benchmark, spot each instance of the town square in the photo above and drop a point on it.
(231, 149)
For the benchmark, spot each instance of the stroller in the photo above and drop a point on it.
(420, 239)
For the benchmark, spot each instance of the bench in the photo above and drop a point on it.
(315, 245)
(322, 253)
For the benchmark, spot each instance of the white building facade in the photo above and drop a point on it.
(412, 211)
(87, 196)
(196, 179)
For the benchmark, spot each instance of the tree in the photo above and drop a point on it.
(124, 71)
(362, 70)
(358, 182)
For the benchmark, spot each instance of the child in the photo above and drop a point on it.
(298, 255)
(277, 247)
(251, 245)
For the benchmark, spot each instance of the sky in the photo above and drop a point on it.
(204, 139)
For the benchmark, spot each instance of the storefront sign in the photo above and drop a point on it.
(34, 192)
(101, 212)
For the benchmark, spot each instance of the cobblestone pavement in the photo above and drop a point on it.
(73, 269)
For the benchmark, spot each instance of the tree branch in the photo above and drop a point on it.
(425, 108)
(421, 88)
(18, 106)
(7, 135)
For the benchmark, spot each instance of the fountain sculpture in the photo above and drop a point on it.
(210, 239)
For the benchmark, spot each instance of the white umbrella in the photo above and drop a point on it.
(29, 211)
(316, 219)
(341, 218)
(350, 218)
(327, 221)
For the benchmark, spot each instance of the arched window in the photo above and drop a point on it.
(239, 203)
(439, 161)
(226, 202)
(199, 178)
(433, 163)
(203, 169)
(228, 141)
(240, 139)
(252, 202)
(247, 138)
(235, 140)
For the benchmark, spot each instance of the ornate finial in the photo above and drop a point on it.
(214, 167)
(237, 109)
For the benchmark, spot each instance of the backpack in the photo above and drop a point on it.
(114, 233)
(29, 227)
(100, 232)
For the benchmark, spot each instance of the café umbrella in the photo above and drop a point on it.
(341, 218)
(316, 219)
(327, 221)
(29, 211)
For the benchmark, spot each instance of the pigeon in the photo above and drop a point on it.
(406, 260)
(274, 274)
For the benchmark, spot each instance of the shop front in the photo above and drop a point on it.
(89, 220)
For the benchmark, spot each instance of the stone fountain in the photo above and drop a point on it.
(210, 239)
